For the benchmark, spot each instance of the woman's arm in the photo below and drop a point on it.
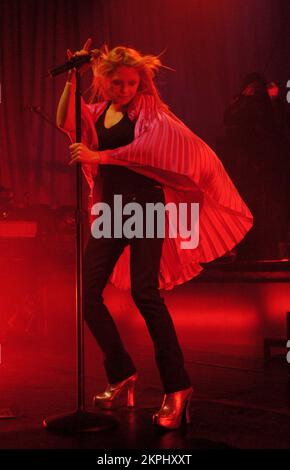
(82, 154)
(65, 117)
(66, 106)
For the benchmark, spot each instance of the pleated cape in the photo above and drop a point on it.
(165, 149)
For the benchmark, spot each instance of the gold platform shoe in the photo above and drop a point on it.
(174, 409)
(110, 398)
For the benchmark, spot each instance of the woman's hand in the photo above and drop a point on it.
(80, 153)
(83, 51)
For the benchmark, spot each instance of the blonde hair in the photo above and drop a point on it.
(107, 61)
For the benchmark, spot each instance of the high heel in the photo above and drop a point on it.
(110, 397)
(174, 409)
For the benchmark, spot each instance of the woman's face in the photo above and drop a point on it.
(122, 85)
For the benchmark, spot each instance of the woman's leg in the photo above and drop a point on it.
(100, 258)
(145, 262)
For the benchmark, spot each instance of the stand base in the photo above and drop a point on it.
(79, 421)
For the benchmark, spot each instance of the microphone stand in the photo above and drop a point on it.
(80, 419)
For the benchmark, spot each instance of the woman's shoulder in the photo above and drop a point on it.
(96, 109)
(144, 105)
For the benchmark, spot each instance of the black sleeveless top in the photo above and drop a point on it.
(118, 179)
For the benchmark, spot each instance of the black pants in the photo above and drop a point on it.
(100, 258)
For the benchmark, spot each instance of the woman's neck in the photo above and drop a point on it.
(118, 108)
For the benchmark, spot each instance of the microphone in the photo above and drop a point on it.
(74, 62)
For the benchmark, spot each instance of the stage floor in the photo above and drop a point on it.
(237, 401)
